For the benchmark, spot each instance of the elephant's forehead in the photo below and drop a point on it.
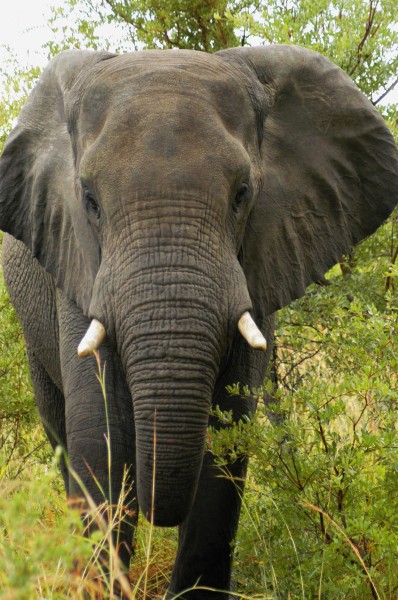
(167, 68)
(160, 81)
(165, 105)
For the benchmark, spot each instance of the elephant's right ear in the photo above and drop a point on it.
(39, 201)
(329, 170)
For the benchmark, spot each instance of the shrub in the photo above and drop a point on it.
(321, 506)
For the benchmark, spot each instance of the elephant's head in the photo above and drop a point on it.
(169, 193)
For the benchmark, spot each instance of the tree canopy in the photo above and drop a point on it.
(361, 36)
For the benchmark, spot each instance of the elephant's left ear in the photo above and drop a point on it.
(329, 166)
(39, 201)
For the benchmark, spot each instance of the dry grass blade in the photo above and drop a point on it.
(348, 540)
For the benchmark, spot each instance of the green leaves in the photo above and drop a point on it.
(359, 36)
(151, 24)
(321, 502)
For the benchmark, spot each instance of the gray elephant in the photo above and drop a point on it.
(176, 200)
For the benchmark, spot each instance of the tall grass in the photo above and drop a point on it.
(50, 550)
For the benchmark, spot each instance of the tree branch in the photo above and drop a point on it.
(384, 94)
(366, 35)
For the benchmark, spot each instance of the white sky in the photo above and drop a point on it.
(23, 27)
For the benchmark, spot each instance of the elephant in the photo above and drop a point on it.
(159, 207)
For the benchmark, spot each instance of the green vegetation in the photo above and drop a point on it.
(196, 25)
(321, 504)
(358, 35)
(44, 552)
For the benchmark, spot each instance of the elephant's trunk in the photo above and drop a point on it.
(172, 308)
(171, 422)
(172, 355)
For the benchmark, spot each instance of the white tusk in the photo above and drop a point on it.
(251, 332)
(93, 339)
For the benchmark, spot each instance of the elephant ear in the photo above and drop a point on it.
(39, 199)
(330, 171)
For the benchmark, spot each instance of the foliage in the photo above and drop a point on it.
(321, 503)
(360, 36)
(197, 24)
(194, 24)
(45, 554)
(38, 541)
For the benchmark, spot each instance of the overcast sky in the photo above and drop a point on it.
(23, 27)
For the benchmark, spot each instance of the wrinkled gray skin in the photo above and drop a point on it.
(164, 194)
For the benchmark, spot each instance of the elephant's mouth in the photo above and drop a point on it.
(96, 334)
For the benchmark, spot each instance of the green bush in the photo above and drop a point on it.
(321, 505)
(40, 543)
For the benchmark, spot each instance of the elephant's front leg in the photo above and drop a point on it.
(206, 538)
(99, 431)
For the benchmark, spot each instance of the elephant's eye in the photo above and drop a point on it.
(91, 204)
(242, 196)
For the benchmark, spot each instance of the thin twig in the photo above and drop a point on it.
(384, 94)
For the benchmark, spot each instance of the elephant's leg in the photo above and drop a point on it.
(99, 431)
(33, 295)
(50, 402)
(206, 537)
